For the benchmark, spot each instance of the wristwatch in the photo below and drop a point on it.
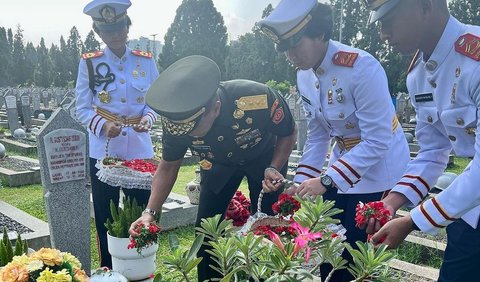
(149, 211)
(327, 182)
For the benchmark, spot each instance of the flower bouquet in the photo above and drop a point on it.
(148, 236)
(238, 209)
(375, 210)
(43, 266)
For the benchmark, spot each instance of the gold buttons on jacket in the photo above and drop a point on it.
(122, 81)
(317, 85)
(460, 121)
(430, 119)
(341, 115)
(123, 100)
(124, 133)
(452, 138)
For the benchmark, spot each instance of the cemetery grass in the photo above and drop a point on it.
(29, 198)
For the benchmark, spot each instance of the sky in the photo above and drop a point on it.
(52, 18)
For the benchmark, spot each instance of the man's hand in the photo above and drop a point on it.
(143, 126)
(392, 203)
(311, 187)
(271, 176)
(146, 219)
(112, 129)
(393, 232)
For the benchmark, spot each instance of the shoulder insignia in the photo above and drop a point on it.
(413, 63)
(142, 54)
(469, 45)
(91, 55)
(250, 103)
(345, 59)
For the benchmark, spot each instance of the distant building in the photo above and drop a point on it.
(145, 44)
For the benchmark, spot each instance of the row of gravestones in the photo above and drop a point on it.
(25, 103)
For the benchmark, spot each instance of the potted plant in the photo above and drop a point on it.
(136, 261)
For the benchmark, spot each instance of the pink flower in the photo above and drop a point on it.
(277, 241)
(301, 241)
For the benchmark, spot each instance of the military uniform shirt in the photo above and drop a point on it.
(348, 97)
(133, 74)
(445, 91)
(237, 136)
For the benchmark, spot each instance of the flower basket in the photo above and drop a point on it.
(135, 174)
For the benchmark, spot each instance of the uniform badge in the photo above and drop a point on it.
(334, 81)
(229, 155)
(340, 96)
(278, 116)
(249, 103)
(453, 97)
(220, 138)
(198, 142)
(424, 97)
(469, 45)
(142, 54)
(135, 73)
(91, 55)
(274, 107)
(210, 155)
(140, 99)
(330, 96)
(238, 114)
(143, 74)
(235, 126)
(345, 59)
(104, 97)
(205, 165)
(249, 120)
(108, 14)
(243, 131)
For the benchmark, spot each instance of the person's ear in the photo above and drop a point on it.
(217, 106)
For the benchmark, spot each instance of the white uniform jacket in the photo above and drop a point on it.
(348, 97)
(445, 91)
(133, 74)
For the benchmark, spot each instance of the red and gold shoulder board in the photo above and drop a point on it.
(142, 54)
(91, 55)
(413, 63)
(469, 45)
(345, 59)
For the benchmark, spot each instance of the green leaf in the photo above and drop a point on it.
(173, 242)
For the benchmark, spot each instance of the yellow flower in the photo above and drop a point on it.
(60, 276)
(48, 256)
(23, 259)
(14, 272)
(35, 265)
(72, 260)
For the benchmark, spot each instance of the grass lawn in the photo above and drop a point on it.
(30, 199)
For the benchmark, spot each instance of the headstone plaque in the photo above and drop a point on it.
(12, 114)
(26, 111)
(35, 100)
(45, 98)
(62, 152)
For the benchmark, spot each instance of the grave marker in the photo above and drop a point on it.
(63, 155)
(12, 114)
(26, 111)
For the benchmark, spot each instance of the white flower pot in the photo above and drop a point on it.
(128, 262)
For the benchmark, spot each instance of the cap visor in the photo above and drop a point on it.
(382, 11)
(112, 26)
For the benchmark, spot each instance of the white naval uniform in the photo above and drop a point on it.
(133, 75)
(445, 91)
(366, 111)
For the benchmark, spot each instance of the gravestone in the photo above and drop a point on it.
(35, 100)
(66, 101)
(58, 97)
(63, 155)
(26, 111)
(296, 107)
(45, 98)
(12, 114)
(71, 109)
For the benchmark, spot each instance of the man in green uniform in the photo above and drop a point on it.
(238, 128)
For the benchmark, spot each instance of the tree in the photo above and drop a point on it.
(60, 63)
(72, 52)
(466, 11)
(18, 56)
(44, 69)
(91, 44)
(31, 61)
(198, 29)
(5, 59)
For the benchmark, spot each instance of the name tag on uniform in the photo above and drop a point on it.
(201, 148)
(424, 97)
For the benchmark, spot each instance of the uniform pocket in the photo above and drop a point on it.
(427, 114)
(460, 117)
